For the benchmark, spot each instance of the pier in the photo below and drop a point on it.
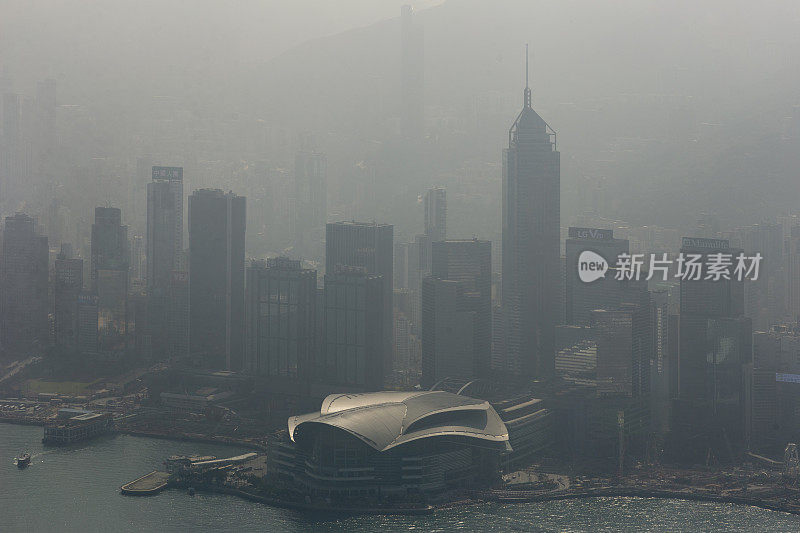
(147, 485)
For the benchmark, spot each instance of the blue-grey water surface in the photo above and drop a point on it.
(77, 489)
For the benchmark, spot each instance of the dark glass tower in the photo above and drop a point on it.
(109, 277)
(531, 251)
(468, 264)
(68, 285)
(23, 287)
(281, 314)
(216, 278)
(164, 225)
(368, 246)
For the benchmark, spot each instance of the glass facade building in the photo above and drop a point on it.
(280, 319)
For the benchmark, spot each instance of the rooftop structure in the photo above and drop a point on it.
(392, 442)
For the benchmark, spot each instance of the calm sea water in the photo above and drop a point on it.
(77, 489)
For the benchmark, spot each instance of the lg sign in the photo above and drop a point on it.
(591, 266)
(594, 234)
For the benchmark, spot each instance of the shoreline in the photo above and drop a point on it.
(183, 437)
(632, 492)
(610, 492)
(178, 437)
(308, 507)
(479, 497)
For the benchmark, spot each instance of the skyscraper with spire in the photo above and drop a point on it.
(531, 250)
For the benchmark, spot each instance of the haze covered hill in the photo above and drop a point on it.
(671, 107)
(663, 109)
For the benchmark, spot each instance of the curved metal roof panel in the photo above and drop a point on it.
(384, 420)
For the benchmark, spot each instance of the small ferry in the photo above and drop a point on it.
(23, 460)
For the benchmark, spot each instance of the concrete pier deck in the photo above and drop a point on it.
(147, 485)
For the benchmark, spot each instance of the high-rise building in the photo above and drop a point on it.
(109, 277)
(88, 324)
(280, 320)
(715, 342)
(773, 389)
(448, 332)
(412, 76)
(605, 293)
(68, 285)
(624, 350)
(12, 161)
(353, 342)
(311, 197)
(109, 241)
(368, 246)
(164, 251)
(24, 324)
(164, 225)
(216, 278)
(531, 199)
(436, 214)
(469, 262)
(792, 261)
(178, 316)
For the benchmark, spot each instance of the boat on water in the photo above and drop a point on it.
(23, 460)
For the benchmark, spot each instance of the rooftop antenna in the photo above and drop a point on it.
(527, 88)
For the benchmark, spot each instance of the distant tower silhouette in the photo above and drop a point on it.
(412, 76)
(531, 250)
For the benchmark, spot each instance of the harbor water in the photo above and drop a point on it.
(77, 489)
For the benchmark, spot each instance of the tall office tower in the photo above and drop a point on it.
(280, 320)
(178, 316)
(605, 293)
(469, 262)
(792, 261)
(436, 214)
(11, 168)
(369, 246)
(44, 130)
(68, 285)
(216, 278)
(164, 225)
(402, 343)
(88, 339)
(23, 287)
(660, 369)
(401, 264)
(448, 331)
(138, 258)
(765, 297)
(412, 76)
(435, 230)
(773, 388)
(715, 341)
(311, 197)
(109, 276)
(353, 342)
(531, 243)
(624, 350)
(164, 249)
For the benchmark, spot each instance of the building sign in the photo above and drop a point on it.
(706, 244)
(88, 299)
(168, 173)
(593, 234)
(787, 378)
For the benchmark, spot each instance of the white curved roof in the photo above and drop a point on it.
(387, 419)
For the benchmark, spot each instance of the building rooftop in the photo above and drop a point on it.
(384, 420)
